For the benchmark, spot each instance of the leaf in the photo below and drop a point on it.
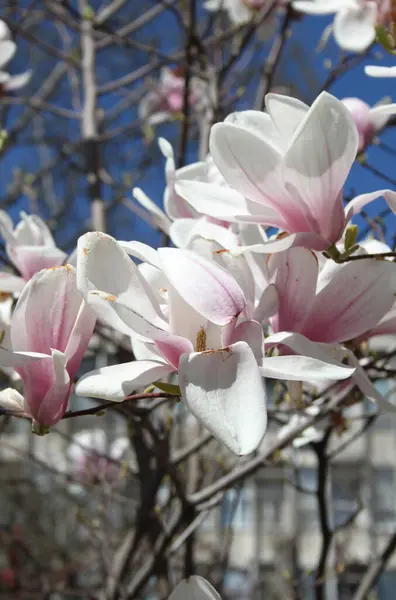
(168, 388)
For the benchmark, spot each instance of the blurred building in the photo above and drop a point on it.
(265, 535)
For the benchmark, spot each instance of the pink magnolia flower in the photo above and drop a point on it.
(199, 330)
(194, 588)
(93, 458)
(9, 83)
(285, 169)
(338, 303)
(354, 25)
(30, 247)
(50, 330)
(318, 311)
(166, 100)
(369, 121)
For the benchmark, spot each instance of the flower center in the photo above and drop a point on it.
(200, 342)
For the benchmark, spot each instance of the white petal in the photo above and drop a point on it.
(302, 368)
(319, 7)
(380, 115)
(159, 217)
(12, 400)
(326, 353)
(250, 332)
(318, 162)
(225, 203)
(5, 32)
(104, 266)
(224, 390)
(118, 381)
(354, 27)
(194, 588)
(141, 251)
(7, 51)
(367, 387)
(286, 112)
(295, 240)
(258, 123)
(11, 283)
(356, 204)
(374, 71)
(18, 81)
(268, 304)
(249, 164)
(8, 358)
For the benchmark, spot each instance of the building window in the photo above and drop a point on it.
(349, 581)
(237, 509)
(346, 490)
(237, 585)
(306, 480)
(270, 498)
(383, 499)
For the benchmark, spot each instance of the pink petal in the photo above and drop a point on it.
(350, 303)
(31, 259)
(205, 286)
(296, 274)
(46, 311)
(318, 162)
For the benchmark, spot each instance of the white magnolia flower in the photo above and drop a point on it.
(354, 25)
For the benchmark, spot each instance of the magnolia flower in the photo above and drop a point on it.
(369, 121)
(30, 247)
(286, 169)
(354, 25)
(199, 330)
(179, 218)
(239, 11)
(50, 330)
(337, 304)
(194, 588)
(167, 99)
(319, 311)
(8, 49)
(93, 458)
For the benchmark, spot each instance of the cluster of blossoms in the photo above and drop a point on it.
(228, 307)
